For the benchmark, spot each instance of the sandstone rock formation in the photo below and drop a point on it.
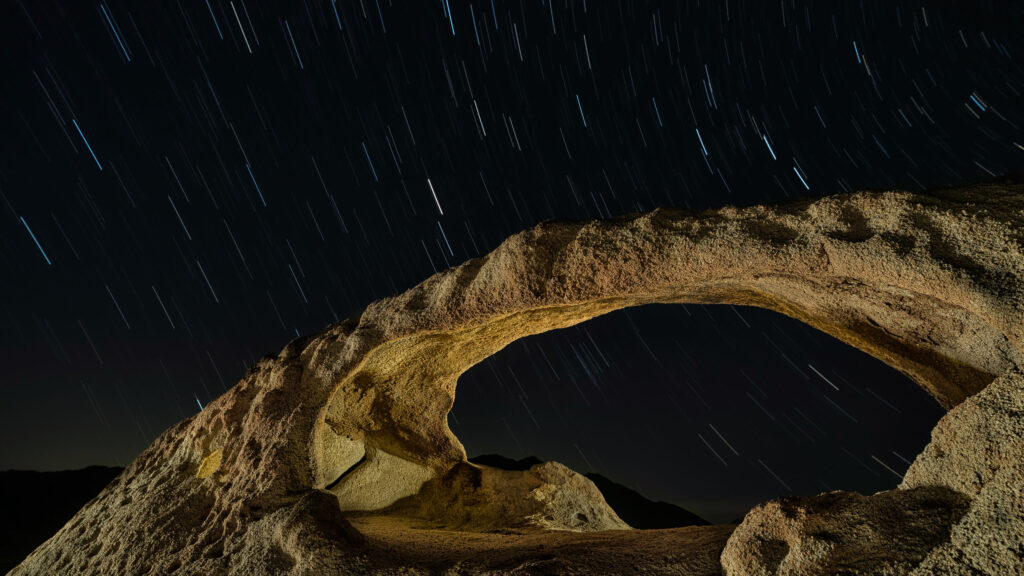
(353, 419)
(843, 533)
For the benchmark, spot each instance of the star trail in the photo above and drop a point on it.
(187, 186)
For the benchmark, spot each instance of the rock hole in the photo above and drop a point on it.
(710, 409)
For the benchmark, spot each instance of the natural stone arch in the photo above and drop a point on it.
(930, 283)
(875, 271)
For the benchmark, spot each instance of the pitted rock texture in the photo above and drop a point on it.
(482, 498)
(843, 533)
(354, 418)
(978, 450)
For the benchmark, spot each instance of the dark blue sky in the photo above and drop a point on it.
(186, 187)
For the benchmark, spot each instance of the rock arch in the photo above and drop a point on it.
(930, 283)
(874, 271)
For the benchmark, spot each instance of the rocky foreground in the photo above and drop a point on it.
(334, 457)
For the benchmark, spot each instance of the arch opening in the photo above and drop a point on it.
(405, 388)
(709, 408)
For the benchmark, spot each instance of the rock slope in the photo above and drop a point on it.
(354, 418)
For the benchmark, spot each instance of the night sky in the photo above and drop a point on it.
(187, 186)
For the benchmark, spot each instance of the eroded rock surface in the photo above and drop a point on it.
(843, 533)
(482, 498)
(354, 418)
(977, 449)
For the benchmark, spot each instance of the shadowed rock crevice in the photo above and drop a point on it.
(929, 283)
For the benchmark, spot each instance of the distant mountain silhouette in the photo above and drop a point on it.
(640, 512)
(37, 504)
(630, 505)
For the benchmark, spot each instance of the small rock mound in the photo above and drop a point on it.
(843, 533)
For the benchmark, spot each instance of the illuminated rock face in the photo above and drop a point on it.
(354, 418)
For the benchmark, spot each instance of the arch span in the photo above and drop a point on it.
(897, 275)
